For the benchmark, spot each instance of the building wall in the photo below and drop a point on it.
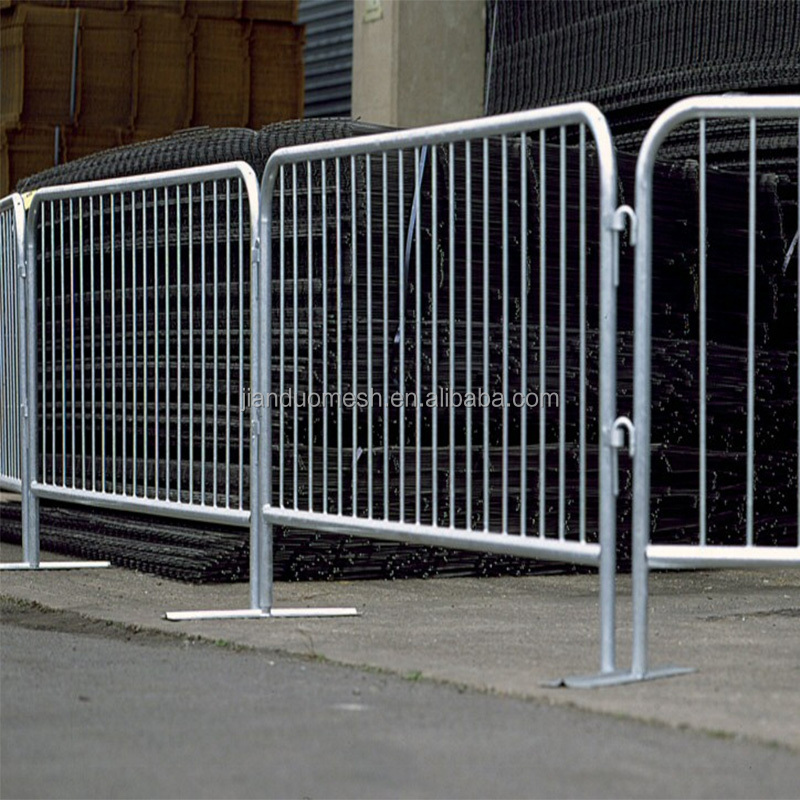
(417, 62)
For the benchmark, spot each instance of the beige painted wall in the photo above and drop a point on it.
(418, 62)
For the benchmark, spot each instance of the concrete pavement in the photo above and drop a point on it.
(92, 710)
(739, 629)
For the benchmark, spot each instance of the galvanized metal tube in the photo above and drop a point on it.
(295, 340)
(156, 338)
(310, 350)
(562, 334)
(324, 169)
(134, 316)
(385, 341)
(523, 337)
(166, 347)
(506, 323)
(124, 379)
(542, 328)
(370, 440)
(203, 341)
(434, 336)
(92, 315)
(438, 536)
(167, 370)
(72, 384)
(402, 336)
(227, 346)
(63, 353)
(112, 214)
(45, 298)
(418, 351)
(582, 337)
(468, 387)
(282, 330)
(485, 232)
(29, 469)
(702, 331)
(145, 325)
(640, 522)
(81, 272)
(190, 224)
(179, 354)
(339, 438)
(451, 232)
(241, 334)
(103, 383)
(354, 344)
(751, 330)
(215, 334)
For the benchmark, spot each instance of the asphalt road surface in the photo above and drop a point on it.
(89, 709)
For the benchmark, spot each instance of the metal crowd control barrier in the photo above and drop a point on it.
(416, 264)
(702, 554)
(12, 257)
(136, 338)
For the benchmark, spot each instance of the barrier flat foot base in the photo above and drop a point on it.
(56, 565)
(588, 681)
(618, 678)
(256, 613)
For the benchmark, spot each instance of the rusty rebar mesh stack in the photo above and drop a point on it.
(217, 553)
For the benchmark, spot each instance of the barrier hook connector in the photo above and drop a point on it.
(622, 424)
(618, 222)
(617, 442)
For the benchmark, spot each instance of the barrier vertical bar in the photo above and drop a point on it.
(562, 330)
(542, 329)
(434, 337)
(506, 323)
(468, 192)
(523, 339)
(702, 332)
(418, 348)
(751, 328)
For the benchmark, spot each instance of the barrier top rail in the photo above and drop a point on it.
(132, 183)
(502, 124)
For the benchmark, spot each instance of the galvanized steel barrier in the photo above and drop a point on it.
(402, 363)
(702, 554)
(12, 258)
(381, 300)
(137, 332)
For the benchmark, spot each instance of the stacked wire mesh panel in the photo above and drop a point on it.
(632, 58)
